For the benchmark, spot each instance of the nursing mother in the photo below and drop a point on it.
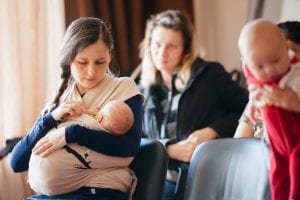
(75, 162)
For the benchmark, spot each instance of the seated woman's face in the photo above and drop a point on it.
(166, 48)
(89, 66)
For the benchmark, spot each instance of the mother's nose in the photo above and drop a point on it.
(90, 70)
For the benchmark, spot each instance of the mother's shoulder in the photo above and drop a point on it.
(126, 80)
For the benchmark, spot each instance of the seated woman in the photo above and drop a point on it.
(187, 100)
(97, 162)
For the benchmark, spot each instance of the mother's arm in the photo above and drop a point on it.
(233, 98)
(22, 151)
(106, 143)
(125, 145)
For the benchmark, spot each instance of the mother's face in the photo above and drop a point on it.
(90, 65)
(166, 47)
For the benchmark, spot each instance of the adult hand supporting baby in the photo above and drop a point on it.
(50, 142)
(269, 95)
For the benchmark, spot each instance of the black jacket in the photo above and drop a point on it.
(210, 99)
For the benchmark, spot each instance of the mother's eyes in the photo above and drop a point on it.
(101, 62)
(86, 62)
(81, 62)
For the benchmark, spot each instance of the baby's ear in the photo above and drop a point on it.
(99, 117)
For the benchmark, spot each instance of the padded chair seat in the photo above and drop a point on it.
(150, 167)
(229, 169)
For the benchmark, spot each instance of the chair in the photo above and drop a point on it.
(229, 169)
(150, 167)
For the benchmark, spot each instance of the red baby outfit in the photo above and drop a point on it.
(283, 128)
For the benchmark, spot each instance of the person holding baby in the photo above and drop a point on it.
(268, 61)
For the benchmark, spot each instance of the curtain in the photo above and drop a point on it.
(127, 19)
(30, 36)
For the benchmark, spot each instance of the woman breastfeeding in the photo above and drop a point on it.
(73, 161)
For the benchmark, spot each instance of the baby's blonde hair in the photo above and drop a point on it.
(117, 109)
(256, 30)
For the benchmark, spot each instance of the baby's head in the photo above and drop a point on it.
(264, 50)
(116, 116)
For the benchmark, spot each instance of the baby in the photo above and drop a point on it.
(266, 59)
(114, 117)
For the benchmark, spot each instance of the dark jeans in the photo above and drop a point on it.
(169, 193)
(85, 193)
(175, 190)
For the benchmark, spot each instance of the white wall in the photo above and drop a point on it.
(272, 10)
(218, 24)
(290, 10)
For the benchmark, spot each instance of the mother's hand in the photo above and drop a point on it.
(68, 109)
(283, 98)
(50, 142)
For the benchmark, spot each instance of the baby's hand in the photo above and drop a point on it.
(256, 102)
(99, 116)
(254, 112)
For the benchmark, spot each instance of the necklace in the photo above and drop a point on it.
(81, 94)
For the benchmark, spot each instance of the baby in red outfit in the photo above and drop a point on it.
(266, 59)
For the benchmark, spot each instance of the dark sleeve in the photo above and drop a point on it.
(234, 99)
(22, 151)
(125, 145)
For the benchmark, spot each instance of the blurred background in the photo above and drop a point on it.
(32, 31)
